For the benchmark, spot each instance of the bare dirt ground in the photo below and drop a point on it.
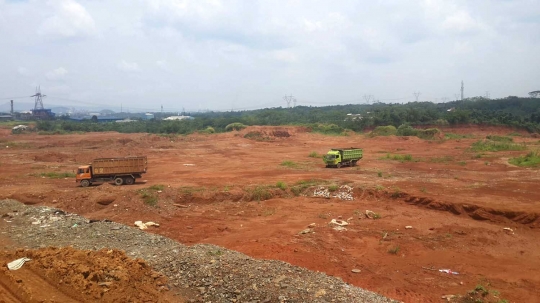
(221, 189)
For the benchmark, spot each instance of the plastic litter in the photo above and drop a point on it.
(14, 265)
(142, 225)
(449, 271)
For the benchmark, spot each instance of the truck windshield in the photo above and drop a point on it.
(80, 171)
(331, 157)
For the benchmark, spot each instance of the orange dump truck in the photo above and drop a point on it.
(120, 170)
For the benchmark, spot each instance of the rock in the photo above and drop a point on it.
(312, 225)
(305, 231)
(408, 227)
(356, 271)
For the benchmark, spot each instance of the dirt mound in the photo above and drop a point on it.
(477, 212)
(70, 275)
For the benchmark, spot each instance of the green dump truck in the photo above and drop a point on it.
(338, 157)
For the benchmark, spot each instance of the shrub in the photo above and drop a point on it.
(406, 130)
(428, 134)
(327, 129)
(235, 126)
(388, 130)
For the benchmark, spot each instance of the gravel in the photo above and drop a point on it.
(200, 273)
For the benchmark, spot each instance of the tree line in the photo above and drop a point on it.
(512, 111)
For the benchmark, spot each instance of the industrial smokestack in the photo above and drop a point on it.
(11, 107)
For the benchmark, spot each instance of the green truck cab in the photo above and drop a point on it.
(338, 157)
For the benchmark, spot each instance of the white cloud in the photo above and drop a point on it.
(23, 71)
(56, 74)
(128, 66)
(69, 19)
(462, 21)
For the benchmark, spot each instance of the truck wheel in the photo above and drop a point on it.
(129, 180)
(118, 181)
(85, 183)
(338, 165)
(353, 163)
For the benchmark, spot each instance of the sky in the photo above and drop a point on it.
(139, 55)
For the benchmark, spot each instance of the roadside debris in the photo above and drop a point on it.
(449, 271)
(356, 271)
(370, 214)
(339, 225)
(344, 192)
(408, 227)
(14, 265)
(509, 230)
(448, 298)
(142, 225)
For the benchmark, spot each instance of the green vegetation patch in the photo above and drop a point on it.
(399, 157)
(327, 129)
(150, 195)
(532, 159)
(235, 126)
(457, 136)
(259, 193)
(495, 146)
(388, 130)
(299, 188)
(314, 154)
(500, 138)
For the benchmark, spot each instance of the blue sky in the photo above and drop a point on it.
(223, 55)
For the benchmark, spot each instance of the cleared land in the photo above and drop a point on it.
(255, 195)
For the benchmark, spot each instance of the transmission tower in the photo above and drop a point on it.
(289, 99)
(462, 89)
(368, 98)
(38, 99)
(416, 95)
(487, 94)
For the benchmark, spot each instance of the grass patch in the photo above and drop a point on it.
(302, 185)
(399, 157)
(289, 164)
(268, 212)
(156, 187)
(388, 130)
(55, 175)
(462, 163)
(281, 185)
(457, 136)
(396, 192)
(495, 146)
(333, 187)
(379, 174)
(532, 159)
(393, 251)
(150, 195)
(314, 154)
(260, 193)
(499, 138)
